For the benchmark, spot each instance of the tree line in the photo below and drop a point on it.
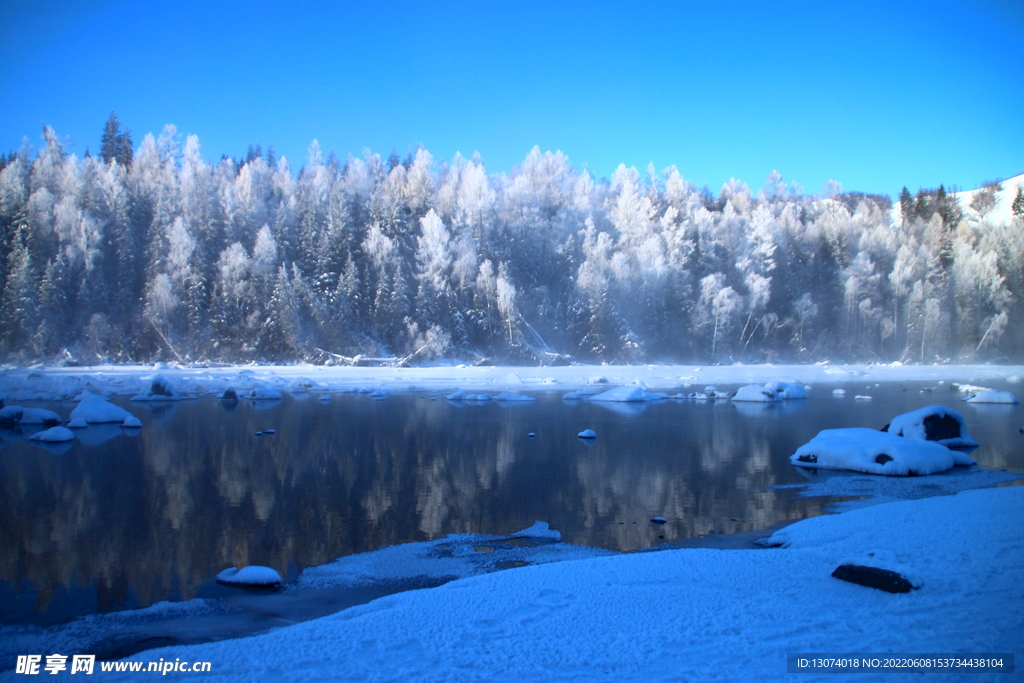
(152, 252)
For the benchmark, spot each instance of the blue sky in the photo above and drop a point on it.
(874, 94)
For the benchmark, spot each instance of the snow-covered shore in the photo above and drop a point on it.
(63, 383)
(691, 614)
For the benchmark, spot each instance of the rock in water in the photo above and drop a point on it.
(587, 434)
(874, 577)
(253, 576)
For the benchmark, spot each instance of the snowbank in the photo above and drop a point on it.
(693, 614)
(868, 450)
(97, 409)
(933, 423)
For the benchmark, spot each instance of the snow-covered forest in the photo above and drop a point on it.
(155, 253)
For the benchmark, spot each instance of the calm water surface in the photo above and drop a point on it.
(119, 520)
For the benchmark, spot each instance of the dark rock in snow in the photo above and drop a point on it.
(874, 577)
(941, 427)
(808, 457)
(229, 395)
(882, 458)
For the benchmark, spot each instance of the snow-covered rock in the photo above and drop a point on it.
(933, 423)
(253, 575)
(839, 392)
(508, 396)
(788, 390)
(325, 398)
(572, 396)
(96, 409)
(869, 450)
(754, 392)
(627, 393)
(53, 435)
(77, 423)
(263, 394)
(159, 390)
(16, 415)
(457, 396)
(539, 530)
(992, 396)
(587, 434)
(131, 421)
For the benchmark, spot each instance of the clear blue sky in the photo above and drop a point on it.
(873, 94)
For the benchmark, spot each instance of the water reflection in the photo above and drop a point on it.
(120, 521)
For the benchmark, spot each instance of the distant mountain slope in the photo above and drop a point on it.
(1002, 211)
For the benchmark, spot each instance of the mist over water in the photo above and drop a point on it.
(124, 520)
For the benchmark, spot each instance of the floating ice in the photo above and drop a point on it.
(96, 409)
(53, 435)
(933, 423)
(991, 396)
(868, 450)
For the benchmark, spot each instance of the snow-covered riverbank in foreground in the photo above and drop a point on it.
(690, 614)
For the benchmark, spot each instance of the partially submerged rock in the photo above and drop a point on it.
(992, 396)
(869, 450)
(53, 435)
(874, 577)
(253, 576)
(758, 393)
(933, 423)
(159, 390)
(628, 393)
(12, 416)
(96, 409)
(587, 434)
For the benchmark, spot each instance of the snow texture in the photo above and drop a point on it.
(947, 426)
(54, 435)
(97, 409)
(868, 450)
(692, 614)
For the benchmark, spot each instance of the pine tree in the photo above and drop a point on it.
(1018, 203)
